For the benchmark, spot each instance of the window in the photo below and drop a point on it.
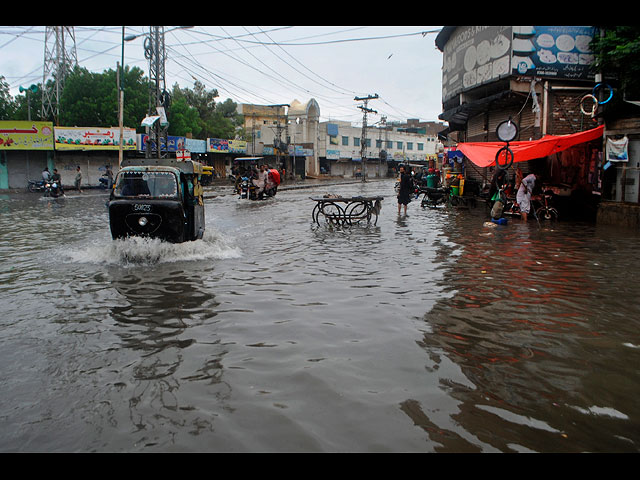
(389, 144)
(356, 142)
(146, 184)
(409, 145)
(420, 146)
(345, 141)
(399, 145)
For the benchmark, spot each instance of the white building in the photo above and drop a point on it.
(340, 148)
(334, 147)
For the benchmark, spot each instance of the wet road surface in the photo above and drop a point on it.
(425, 333)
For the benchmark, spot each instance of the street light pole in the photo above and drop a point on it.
(121, 102)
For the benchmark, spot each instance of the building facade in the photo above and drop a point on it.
(304, 146)
(536, 76)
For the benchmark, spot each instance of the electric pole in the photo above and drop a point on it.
(159, 99)
(60, 58)
(363, 139)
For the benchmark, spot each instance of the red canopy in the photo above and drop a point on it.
(483, 154)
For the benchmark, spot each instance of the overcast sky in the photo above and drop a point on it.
(266, 65)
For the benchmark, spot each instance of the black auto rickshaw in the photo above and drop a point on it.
(159, 198)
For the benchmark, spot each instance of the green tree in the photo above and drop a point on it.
(92, 99)
(617, 53)
(216, 120)
(7, 103)
(183, 118)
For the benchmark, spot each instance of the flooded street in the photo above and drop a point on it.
(425, 333)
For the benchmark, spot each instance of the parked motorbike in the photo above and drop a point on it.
(36, 186)
(433, 196)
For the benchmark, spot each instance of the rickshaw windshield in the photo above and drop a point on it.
(146, 184)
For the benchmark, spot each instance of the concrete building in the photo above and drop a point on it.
(537, 76)
(340, 148)
(304, 146)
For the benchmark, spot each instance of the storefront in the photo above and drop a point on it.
(569, 165)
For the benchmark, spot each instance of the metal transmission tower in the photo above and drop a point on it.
(60, 58)
(159, 98)
(363, 139)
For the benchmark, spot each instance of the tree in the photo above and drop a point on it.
(7, 104)
(617, 53)
(91, 99)
(216, 120)
(183, 118)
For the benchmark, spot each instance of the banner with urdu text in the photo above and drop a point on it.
(26, 135)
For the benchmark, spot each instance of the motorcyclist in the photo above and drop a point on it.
(56, 178)
(46, 175)
(261, 181)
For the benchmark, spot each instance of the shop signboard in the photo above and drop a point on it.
(93, 138)
(175, 143)
(26, 135)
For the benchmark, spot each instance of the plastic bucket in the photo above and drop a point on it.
(432, 181)
(454, 191)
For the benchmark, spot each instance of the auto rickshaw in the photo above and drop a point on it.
(158, 198)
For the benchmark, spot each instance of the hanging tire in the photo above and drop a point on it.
(507, 153)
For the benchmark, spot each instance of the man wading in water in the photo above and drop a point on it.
(406, 188)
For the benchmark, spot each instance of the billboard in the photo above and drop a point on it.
(478, 55)
(474, 56)
(557, 52)
(175, 143)
(94, 138)
(220, 145)
(18, 135)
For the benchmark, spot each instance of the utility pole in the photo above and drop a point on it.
(60, 58)
(154, 51)
(363, 139)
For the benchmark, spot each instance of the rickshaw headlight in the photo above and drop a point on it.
(142, 221)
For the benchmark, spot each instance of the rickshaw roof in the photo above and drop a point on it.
(189, 167)
(247, 159)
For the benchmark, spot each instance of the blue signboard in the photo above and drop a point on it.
(555, 51)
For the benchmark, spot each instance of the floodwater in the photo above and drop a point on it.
(425, 333)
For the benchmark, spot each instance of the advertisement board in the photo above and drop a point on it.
(25, 135)
(477, 55)
(474, 56)
(558, 52)
(93, 138)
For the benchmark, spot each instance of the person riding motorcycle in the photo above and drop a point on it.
(56, 178)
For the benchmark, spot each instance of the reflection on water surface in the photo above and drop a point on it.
(425, 333)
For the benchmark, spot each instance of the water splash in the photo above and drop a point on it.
(150, 251)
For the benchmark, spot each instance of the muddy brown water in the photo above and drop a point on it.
(425, 333)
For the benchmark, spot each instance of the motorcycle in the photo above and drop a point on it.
(36, 186)
(104, 182)
(53, 190)
(247, 190)
(433, 196)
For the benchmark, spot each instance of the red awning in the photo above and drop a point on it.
(483, 154)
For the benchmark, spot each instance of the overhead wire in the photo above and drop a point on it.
(244, 42)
